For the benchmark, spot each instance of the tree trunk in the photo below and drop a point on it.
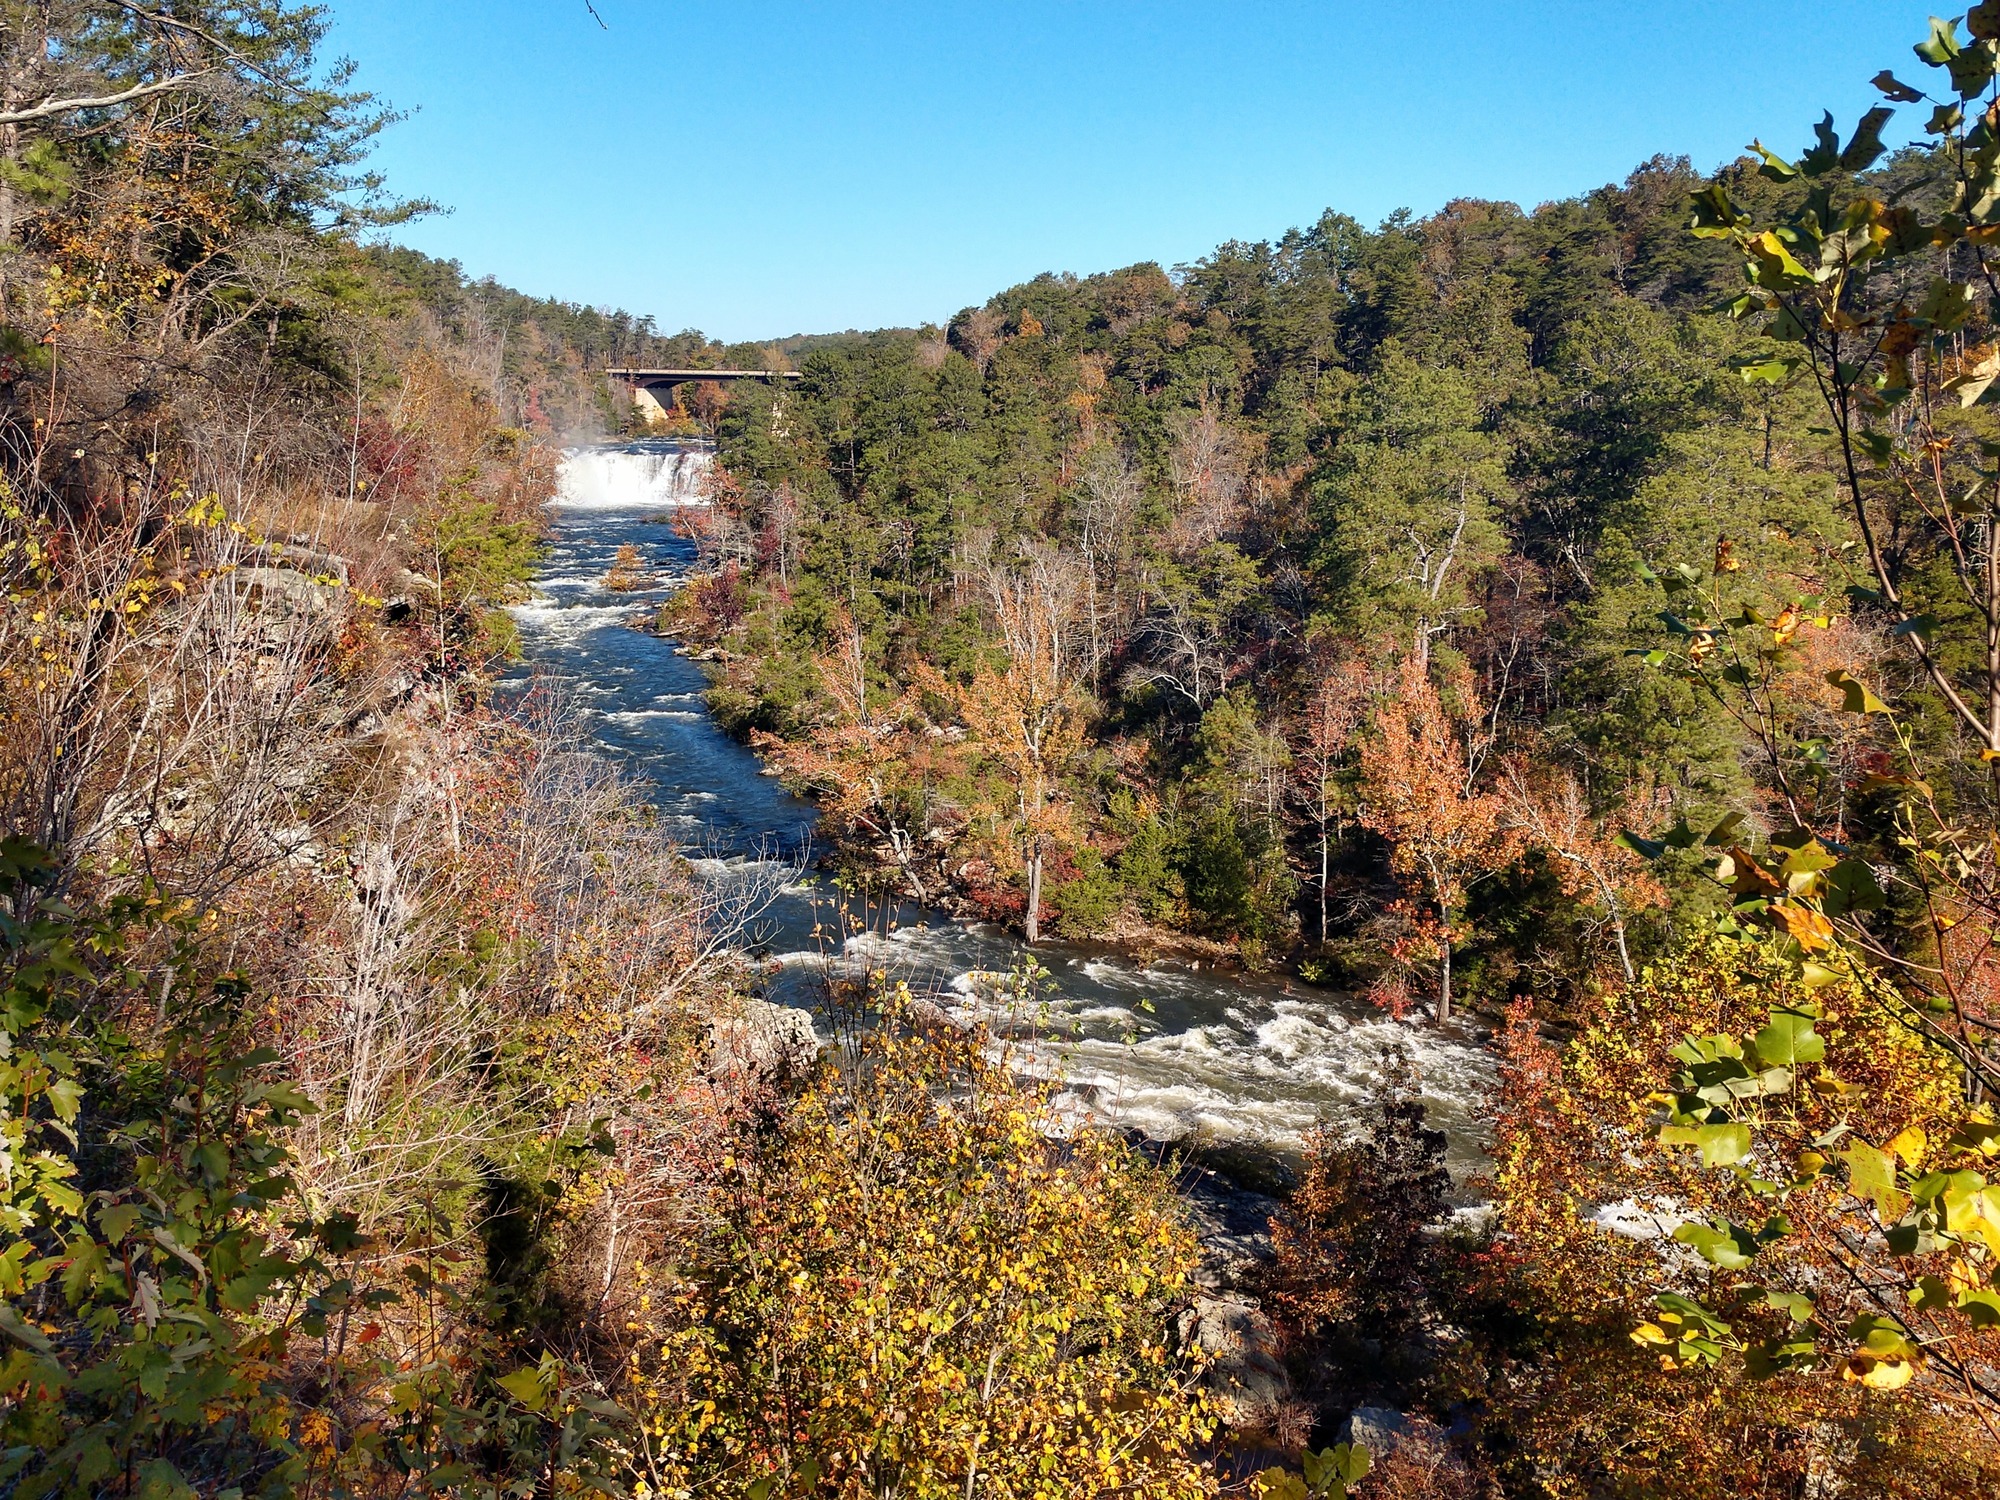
(1034, 923)
(1322, 883)
(1444, 981)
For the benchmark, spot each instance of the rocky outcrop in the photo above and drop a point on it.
(1244, 1374)
(1224, 1324)
(1376, 1428)
(291, 593)
(761, 1044)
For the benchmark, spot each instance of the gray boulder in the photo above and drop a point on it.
(1246, 1376)
(286, 592)
(762, 1043)
(1377, 1428)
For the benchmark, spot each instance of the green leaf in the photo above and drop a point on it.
(1941, 46)
(1724, 833)
(1354, 1461)
(1775, 166)
(1795, 1305)
(1691, 1312)
(1981, 1308)
(1723, 1145)
(341, 1234)
(1908, 233)
(1785, 326)
(1983, 20)
(1871, 1176)
(1771, 1357)
(1645, 848)
(1789, 1039)
(1972, 69)
(243, 1293)
(1929, 1294)
(1728, 1246)
(1824, 154)
(65, 1095)
(1279, 1484)
(16, 1328)
(115, 1221)
(1979, 1135)
(1680, 836)
(525, 1386)
(1921, 626)
(1883, 1337)
(1947, 305)
(214, 1159)
(1775, 371)
(1856, 697)
(1851, 887)
(1714, 215)
(1804, 858)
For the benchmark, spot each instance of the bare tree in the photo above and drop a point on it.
(1322, 753)
(1030, 716)
(1109, 494)
(1209, 468)
(1549, 811)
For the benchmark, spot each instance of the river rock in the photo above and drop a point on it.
(1230, 1193)
(1377, 1428)
(290, 593)
(1247, 1378)
(762, 1043)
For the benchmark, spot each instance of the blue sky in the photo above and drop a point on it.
(756, 168)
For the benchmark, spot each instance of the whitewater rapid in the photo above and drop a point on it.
(1161, 1047)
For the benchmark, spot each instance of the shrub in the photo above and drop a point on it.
(1086, 904)
(916, 1287)
(1351, 1247)
(147, 1300)
(1146, 870)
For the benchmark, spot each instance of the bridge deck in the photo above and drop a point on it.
(680, 377)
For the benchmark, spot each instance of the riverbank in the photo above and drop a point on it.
(942, 859)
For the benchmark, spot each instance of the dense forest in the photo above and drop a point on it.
(1579, 627)
(1224, 511)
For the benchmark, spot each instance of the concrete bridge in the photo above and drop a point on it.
(645, 384)
(659, 380)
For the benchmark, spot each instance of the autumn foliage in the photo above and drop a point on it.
(914, 1283)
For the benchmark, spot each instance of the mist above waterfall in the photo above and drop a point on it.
(655, 474)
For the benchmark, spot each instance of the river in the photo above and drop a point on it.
(1166, 1048)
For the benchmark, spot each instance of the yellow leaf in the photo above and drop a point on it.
(1909, 1143)
(1879, 1374)
(1808, 928)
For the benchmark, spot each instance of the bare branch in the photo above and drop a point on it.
(48, 109)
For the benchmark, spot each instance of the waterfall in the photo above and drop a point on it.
(644, 475)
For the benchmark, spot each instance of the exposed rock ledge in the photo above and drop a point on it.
(761, 1044)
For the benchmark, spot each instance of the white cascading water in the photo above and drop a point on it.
(645, 475)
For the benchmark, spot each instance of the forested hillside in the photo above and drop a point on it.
(1234, 506)
(1589, 618)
